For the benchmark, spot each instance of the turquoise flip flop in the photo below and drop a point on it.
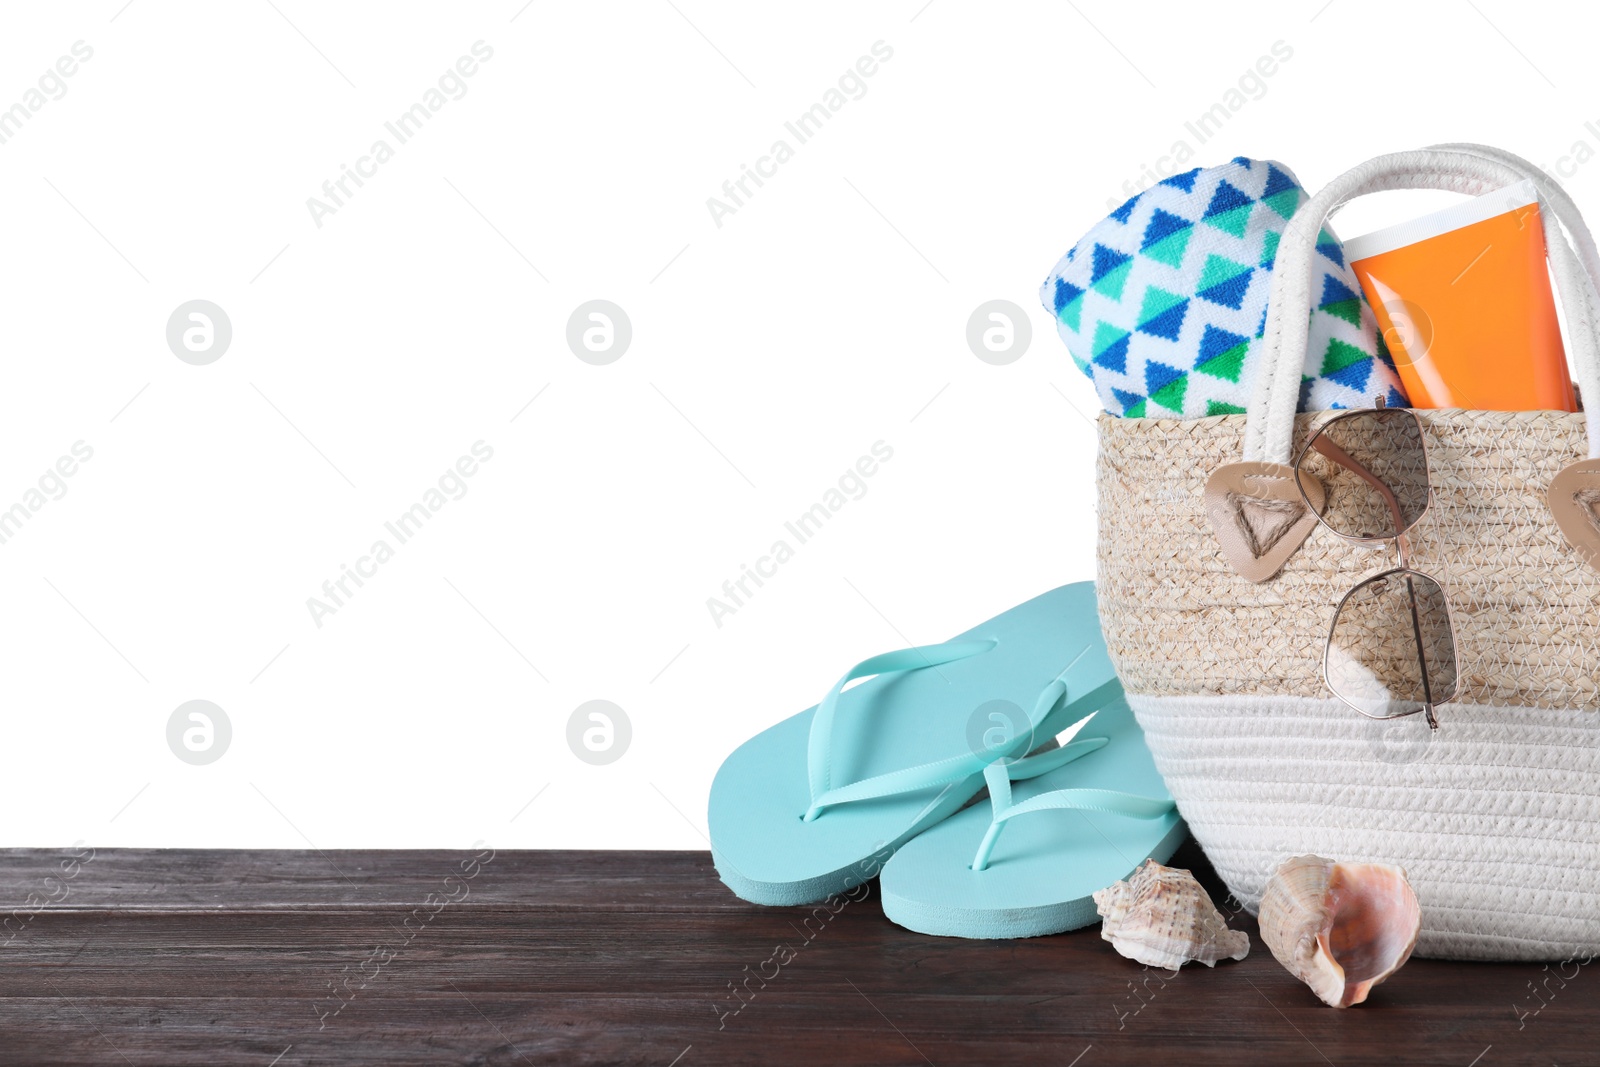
(816, 804)
(1028, 862)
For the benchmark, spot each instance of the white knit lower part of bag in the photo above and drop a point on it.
(1495, 818)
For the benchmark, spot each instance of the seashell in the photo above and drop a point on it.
(1162, 917)
(1341, 928)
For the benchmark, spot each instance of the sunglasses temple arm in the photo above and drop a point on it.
(1344, 459)
(1422, 659)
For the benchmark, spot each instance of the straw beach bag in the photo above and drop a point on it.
(1495, 815)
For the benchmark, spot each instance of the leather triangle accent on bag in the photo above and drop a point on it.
(1574, 499)
(1260, 516)
(1264, 522)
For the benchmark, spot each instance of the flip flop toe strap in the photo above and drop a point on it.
(1000, 774)
(909, 779)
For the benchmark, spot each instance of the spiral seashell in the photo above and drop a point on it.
(1341, 928)
(1162, 917)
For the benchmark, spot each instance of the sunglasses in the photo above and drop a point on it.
(1391, 651)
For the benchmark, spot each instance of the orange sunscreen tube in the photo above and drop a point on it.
(1463, 301)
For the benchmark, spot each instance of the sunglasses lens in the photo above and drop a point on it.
(1391, 650)
(1375, 470)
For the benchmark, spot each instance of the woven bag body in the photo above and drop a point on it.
(1496, 815)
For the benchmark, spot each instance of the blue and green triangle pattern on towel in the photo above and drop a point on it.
(1162, 303)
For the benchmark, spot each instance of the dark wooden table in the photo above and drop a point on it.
(287, 958)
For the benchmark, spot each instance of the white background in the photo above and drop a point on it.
(826, 314)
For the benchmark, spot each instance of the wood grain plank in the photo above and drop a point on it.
(180, 958)
(284, 879)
